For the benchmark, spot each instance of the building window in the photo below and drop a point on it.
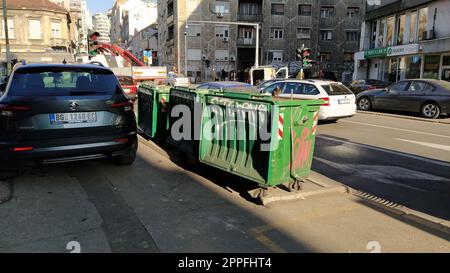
(423, 20)
(194, 30)
(304, 10)
(381, 42)
(431, 67)
(326, 12)
(277, 33)
(304, 33)
(353, 12)
(171, 33)
(56, 29)
(373, 41)
(11, 33)
(325, 56)
(170, 9)
(222, 7)
(222, 55)
(326, 35)
(222, 31)
(275, 56)
(401, 29)
(277, 9)
(390, 31)
(34, 29)
(413, 27)
(249, 8)
(194, 54)
(349, 57)
(351, 36)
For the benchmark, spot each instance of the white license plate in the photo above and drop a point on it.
(347, 101)
(70, 118)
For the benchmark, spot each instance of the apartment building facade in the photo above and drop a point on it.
(331, 28)
(404, 40)
(39, 32)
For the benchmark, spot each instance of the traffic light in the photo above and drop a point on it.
(93, 44)
(303, 54)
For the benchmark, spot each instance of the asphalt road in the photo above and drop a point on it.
(401, 160)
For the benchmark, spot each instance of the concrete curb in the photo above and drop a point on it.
(441, 121)
(331, 186)
(404, 212)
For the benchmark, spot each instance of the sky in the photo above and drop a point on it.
(99, 5)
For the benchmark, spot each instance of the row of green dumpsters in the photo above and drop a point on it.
(262, 138)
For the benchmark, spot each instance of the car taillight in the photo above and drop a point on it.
(9, 110)
(327, 101)
(371, 87)
(127, 105)
(133, 89)
(121, 140)
(22, 149)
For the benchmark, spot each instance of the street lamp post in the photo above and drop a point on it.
(8, 50)
(185, 52)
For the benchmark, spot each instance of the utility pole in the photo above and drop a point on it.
(8, 50)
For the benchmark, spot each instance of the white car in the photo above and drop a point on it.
(174, 79)
(340, 102)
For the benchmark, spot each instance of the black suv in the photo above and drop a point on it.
(58, 112)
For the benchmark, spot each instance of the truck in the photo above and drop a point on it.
(264, 73)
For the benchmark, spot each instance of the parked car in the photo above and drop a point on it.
(174, 79)
(53, 113)
(431, 98)
(339, 100)
(358, 86)
(265, 84)
(236, 86)
(129, 86)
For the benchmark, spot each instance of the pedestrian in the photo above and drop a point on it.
(223, 74)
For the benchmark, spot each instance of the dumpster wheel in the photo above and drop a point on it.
(295, 186)
(259, 193)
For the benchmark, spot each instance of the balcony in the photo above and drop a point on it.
(246, 42)
(243, 17)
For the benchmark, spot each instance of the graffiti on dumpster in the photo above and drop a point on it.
(302, 149)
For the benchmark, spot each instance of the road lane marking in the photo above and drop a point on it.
(384, 174)
(397, 129)
(258, 232)
(432, 161)
(427, 144)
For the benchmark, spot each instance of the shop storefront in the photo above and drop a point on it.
(393, 64)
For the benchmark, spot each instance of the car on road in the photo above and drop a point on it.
(174, 79)
(339, 100)
(52, 113)
(230, 86)
(358, 86)
(265, 84)
(429, 97)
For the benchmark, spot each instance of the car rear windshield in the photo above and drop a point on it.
(336, 89)
(445, 85)
(63, 82)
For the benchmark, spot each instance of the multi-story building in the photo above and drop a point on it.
(129, 17)
(102, 25)
(329, 27)
(405, 39)
(146, 39)
(38, 32)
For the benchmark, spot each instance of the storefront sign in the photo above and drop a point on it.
(375, 53)
(391, 51)
(403, 50)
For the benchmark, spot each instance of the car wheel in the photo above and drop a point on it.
(364, 104)
(431, 110)
(125, 160)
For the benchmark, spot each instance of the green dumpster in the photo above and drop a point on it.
(152, 110)
(264, 139)
(184, 100)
